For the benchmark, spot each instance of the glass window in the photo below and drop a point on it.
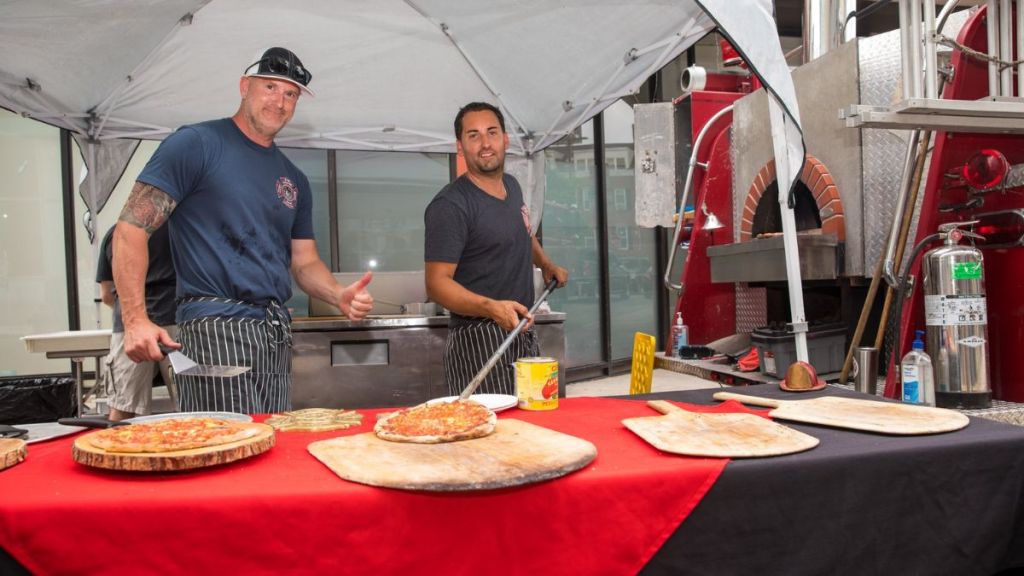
(33, 294)
(313, 164)
(621, 199)
(631, 249)
(381, 199)
(570, 240)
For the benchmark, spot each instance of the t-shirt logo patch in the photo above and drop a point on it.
(526, 216)
(287, 192)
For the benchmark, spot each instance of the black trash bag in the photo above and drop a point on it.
(30, 400)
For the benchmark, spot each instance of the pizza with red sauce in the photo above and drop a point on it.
(172, 435)
(437, 422)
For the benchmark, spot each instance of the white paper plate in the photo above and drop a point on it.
(495, 402)
(177, 415)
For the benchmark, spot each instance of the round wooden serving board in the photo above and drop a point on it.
(12, 451)
(84, 452)
(516, 453)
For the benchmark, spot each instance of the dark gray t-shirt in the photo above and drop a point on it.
(489, 240)
(160, 278)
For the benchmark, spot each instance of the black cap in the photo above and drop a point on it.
(281, 64)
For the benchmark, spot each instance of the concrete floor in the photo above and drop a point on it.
(661, 381)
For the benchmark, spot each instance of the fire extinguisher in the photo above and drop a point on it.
(956, 319)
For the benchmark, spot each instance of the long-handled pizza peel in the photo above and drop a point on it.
(868, 415)
(475, 382)
(719, 435)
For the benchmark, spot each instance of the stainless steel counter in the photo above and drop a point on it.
(384, 360)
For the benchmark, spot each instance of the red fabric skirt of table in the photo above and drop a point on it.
(285, 512)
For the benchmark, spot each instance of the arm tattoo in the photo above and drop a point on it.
(147, 207)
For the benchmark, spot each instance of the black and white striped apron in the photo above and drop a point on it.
(263, 344)
(468, 348)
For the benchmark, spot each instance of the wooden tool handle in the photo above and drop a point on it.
(665, 407)
(755, 400)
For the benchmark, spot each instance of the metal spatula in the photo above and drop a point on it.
(185, 366)
(475, 382)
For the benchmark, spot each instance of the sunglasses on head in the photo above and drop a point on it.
(283, 67)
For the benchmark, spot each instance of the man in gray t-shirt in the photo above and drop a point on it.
(479, 256)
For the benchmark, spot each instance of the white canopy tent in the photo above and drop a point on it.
(388, 74)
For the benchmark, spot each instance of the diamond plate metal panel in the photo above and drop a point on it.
(751, 308)
(884, 150)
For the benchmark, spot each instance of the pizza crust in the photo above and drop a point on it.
(384, 428)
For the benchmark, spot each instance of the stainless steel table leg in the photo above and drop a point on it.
(76, 365)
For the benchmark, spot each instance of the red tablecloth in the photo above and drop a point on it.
(285, 512)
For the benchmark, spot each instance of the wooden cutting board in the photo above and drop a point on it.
(717, 435)
(516, 453)
(855, 414)
(12, 451)
(84, 452)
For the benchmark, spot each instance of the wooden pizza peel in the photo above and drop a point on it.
(84, 452)
(12, 451)
(719, 435)
(516, 453)
(855, 414)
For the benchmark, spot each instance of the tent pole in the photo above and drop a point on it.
(792, 251)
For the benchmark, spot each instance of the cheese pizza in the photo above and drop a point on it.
(172, 435)
(437, 422)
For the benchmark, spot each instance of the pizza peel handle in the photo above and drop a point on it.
(744, 399)
(475, 382)
(666, 407)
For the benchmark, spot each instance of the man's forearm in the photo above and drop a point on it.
(131, 261)
(146, 209)
(316, 280)
(540, 258)
(456, 298)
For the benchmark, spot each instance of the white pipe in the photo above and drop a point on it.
(906, 64)
(931, 61)
(1006, 46)
(992, 30)
(916, 61)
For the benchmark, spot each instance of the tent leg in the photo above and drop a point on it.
(785, 174)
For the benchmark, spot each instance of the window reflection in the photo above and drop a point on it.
(631, 249)
(381, 199)
(569, 231)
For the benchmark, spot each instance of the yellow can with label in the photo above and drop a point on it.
(537, 383)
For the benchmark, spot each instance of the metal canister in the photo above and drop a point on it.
(956, 318)
(537, 383)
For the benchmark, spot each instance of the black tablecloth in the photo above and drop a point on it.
(859, 503)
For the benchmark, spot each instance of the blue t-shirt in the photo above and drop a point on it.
(239, 205)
